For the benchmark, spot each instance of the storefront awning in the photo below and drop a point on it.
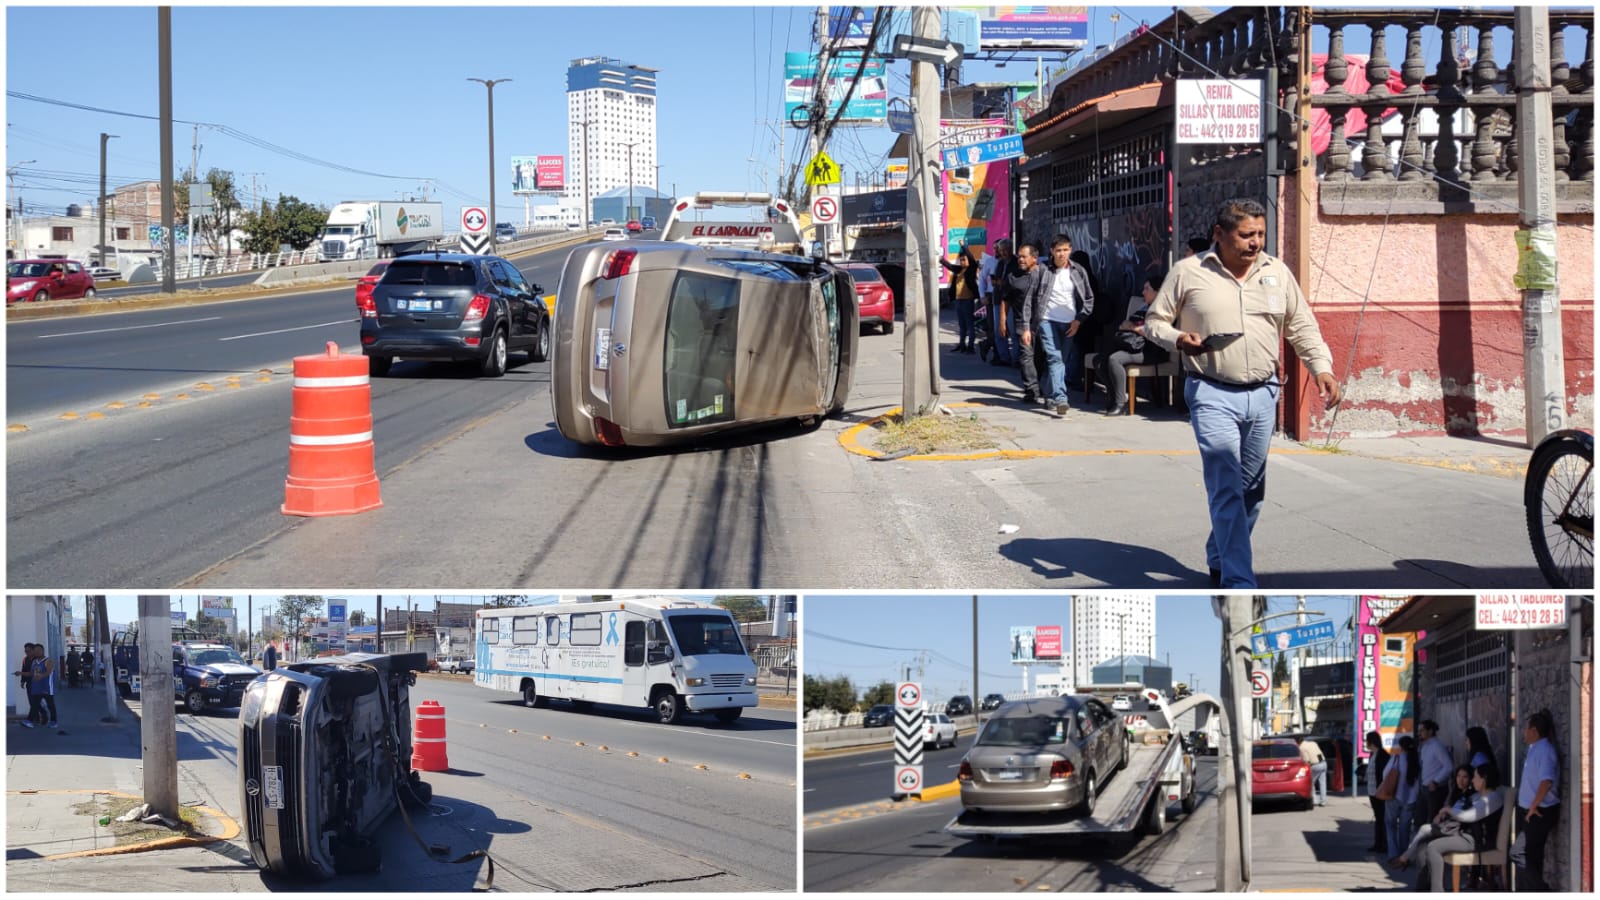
(1102, 113)
(1426, 614)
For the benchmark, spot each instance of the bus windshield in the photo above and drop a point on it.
(701, 634)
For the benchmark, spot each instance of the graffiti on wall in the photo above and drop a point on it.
(1123, 249)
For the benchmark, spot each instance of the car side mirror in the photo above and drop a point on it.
(538, 290)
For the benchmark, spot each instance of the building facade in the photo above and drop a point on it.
(1106, 628)
(32, 620)
(611, 127)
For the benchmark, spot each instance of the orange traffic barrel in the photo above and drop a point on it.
(331, 468)
(428, 750)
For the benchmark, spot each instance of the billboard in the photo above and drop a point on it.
(1047, 642)
(1022, 638)
(975, 28)
(550, 173)
(1384, 669)
(873, 208)
(977, 199)
(522, 175)
(217, 607)
(869, 103)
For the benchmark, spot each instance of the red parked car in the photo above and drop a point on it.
(635, 225)
(364, 288)
(874, 299)
(33, 280)
(1278, 771)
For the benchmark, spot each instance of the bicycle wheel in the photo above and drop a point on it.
(1559, 501)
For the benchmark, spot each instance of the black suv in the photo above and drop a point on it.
(993, 701)
(208, 673)
(878, 716)
(454, 306)
(959, 705)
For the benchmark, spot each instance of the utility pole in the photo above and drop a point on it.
(585, 124)
(976, 696)
(493, 222)
(169, 239)
(158, 727)
(102, 638)
(14, 209)
(1543, 368)
(920, 373)
(1234, 762)
(100, 249)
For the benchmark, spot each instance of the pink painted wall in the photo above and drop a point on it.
(1438, 341)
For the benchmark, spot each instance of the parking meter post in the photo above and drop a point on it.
(158, 727)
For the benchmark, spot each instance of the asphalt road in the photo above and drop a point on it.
(846, 779)
(902, 847)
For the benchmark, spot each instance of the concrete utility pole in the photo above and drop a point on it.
(100, 249)
(102, 639)
(1233, 761)
(585, 125)
(493, 222)
(169, 237)
(920, 374)
(629, 212)
(1543, 369)
(975, 695)
(158, 727)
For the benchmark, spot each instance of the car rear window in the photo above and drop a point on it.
(863, 273)
(432, 273)
(1024, 731)
(1274, 751)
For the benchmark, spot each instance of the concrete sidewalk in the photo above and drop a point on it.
(1323, 849)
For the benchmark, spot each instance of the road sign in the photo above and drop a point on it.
(822, 170)
(1290, 638)
(900, 121)
(908, 779)
(1497, 612)
(1260, 683)
(1008, 147)
(474, 220)
(923, 49)
(475, 244)
(908, 694)
(824, 210)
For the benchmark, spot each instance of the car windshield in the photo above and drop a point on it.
(1274, 751)
(431, 273)
(215, 657)
(26, 270)
(879, 709)
(1024, 731)
(701, 634)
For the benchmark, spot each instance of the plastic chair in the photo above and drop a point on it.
(1498, 857)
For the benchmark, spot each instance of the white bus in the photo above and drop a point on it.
(668, 654)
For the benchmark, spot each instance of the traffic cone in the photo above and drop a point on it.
(428, 745)
(331, 468)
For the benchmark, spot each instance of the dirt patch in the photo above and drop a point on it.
(124, 833)
(960, 432)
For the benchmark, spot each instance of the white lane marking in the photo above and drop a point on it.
(240, 337)
(1008, 487)
(1313, 472)
(129, 328)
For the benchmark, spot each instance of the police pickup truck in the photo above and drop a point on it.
(205, 672)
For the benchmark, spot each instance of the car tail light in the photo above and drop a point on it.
(365, 303)
(965, 772)
(1061, 768)
(1303, 770)
(369, 339)
(477, 309)
(619, 263)
(609, 432)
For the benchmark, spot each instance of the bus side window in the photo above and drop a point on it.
(552, 630)
(633, 644)
(660, 649)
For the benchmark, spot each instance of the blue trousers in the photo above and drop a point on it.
(1233, 427)
(1002, 345)
(964, 321)
(1061, 353)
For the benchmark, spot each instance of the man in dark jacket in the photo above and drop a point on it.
(1058, 302)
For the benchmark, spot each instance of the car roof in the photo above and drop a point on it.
(1039, 706)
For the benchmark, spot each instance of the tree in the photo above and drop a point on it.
(299, 223)
(744, 608)
(294, 610)
(837, 693)
(879, 694)
(497, 601)
(261, 230)
(1280, 670)
(215, 231)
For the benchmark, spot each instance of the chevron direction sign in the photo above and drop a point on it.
(908, 727)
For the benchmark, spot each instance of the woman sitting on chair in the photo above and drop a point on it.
(1129, 348)
(1460, 829)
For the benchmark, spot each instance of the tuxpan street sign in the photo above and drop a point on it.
(1290, 638)
(900, 121)
(1008, 147)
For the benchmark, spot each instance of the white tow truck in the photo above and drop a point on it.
(1160, 773)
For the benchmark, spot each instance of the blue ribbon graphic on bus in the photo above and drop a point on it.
(611, 636)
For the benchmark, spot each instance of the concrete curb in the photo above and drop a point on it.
(229, 829)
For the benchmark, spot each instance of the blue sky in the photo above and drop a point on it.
(124, 608)
(897, 627)
(383, 89)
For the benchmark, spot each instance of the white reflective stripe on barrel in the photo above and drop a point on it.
(346, 381)
(422, 740)
(328, 440)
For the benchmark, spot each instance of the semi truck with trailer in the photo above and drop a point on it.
(380, 229)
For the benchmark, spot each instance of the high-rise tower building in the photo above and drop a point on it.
(611, 123)
(1105, 627)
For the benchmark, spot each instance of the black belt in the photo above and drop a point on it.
(1230, 384)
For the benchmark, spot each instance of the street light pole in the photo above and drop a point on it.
(490, 83)
(101, 247)
(629, 211)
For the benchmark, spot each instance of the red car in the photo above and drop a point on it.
(1278, 771)
(874, 299)
(635, 225)
(33, 280)
(364, 288)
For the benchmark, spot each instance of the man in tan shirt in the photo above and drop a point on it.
(1311, 755)
(1227, 312)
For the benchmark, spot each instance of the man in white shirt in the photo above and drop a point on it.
(1437, 770)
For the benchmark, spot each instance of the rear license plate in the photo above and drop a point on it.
(420, 305)
(1009, 775)
(602, 348)
(272, 786)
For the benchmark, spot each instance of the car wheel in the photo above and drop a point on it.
(1155, 820)
(1089, 788)
(668, 707)
(1188, 801)
(888, 327)
(124, 690)
(379, 365)
(88, 294)
(541, 345)
(729, 716)
(531, 698)
(194, 702)
(41, 295)
(494, 362)
(1123, 763)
